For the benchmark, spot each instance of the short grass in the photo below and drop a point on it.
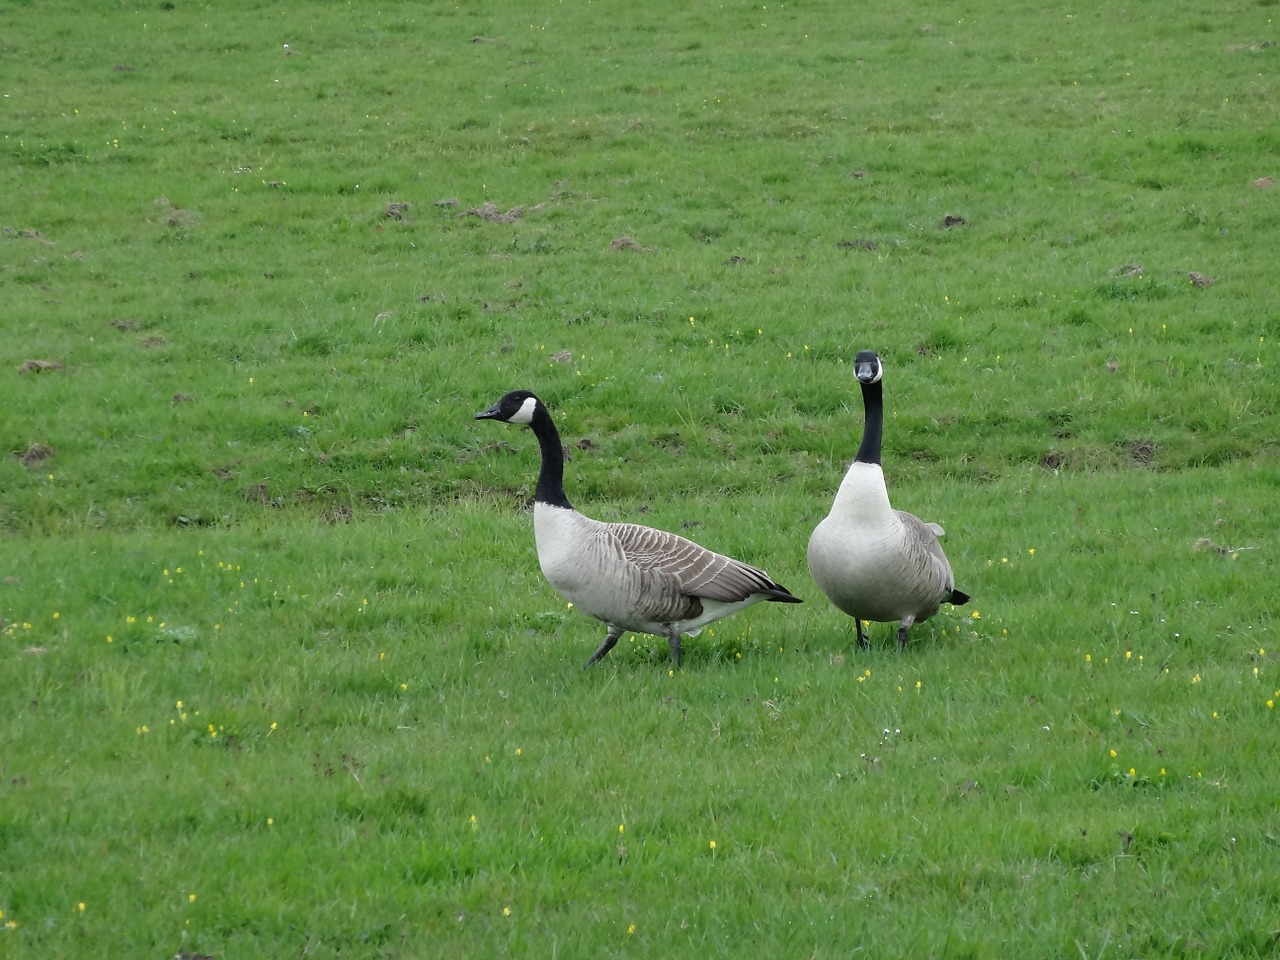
(280, 676)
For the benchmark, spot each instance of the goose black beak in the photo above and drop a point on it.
(493, 413)
(866, 367)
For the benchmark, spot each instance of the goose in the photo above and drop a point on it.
(872, 561)
(630, 577)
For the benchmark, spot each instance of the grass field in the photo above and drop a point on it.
(278, 671)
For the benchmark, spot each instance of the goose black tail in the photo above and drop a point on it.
(780, 595)
(958, 597)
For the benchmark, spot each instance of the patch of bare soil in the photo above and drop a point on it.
(39, 366)
(258, 493)
(1053, 460)
(494, 214)
(175, 216)
(1252, 46)
(1143, 451)
(336, 513)
(34, 454)
(627, 243)
(1199, 279)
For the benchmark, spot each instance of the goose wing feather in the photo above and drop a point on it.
(924, 555)
(693, 569)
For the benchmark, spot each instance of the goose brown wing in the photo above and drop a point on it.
(925, 553)
(697, 571)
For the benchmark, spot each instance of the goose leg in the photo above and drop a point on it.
(903, 627)
(673, 641)
(610, 638)
(862, 637)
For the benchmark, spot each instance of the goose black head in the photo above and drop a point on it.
(867, 368)
(518, 406)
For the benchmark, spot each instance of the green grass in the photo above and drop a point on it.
(280, 675)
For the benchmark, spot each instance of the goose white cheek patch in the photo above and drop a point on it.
(525, 413)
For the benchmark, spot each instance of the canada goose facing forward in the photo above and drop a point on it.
(632, 578)
(872, 561)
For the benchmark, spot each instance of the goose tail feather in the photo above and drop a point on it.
(778, 594)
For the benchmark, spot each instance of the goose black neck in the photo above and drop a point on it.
(550, 488)
(873, 427)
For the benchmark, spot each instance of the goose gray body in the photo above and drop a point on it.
(874, 562)
(630, 577)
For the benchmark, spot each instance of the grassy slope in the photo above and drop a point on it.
(1077, 429)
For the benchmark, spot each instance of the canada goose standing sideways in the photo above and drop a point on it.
(628, 576)
(872, 561)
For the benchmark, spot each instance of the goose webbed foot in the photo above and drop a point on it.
(610, 638)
